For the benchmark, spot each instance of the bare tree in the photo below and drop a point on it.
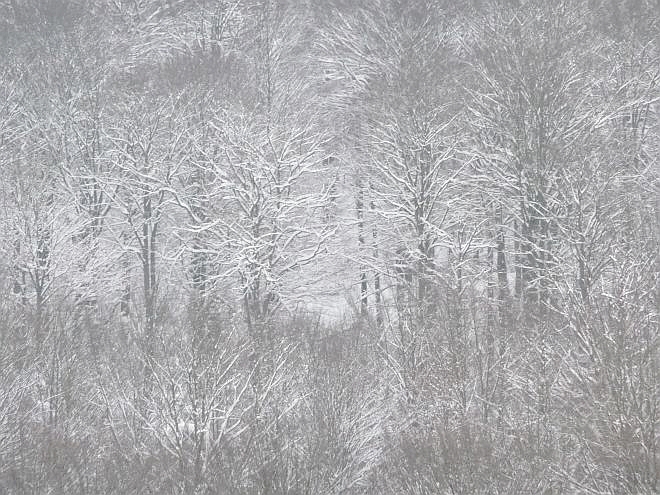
(146, 141)
(260, 215)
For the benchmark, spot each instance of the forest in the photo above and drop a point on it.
(330, 247)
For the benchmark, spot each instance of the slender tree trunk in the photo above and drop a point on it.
(502, 274)
(359, 206)
(518, 257)
(149, 236)
(377, 287)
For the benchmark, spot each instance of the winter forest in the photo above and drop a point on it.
(330, 247)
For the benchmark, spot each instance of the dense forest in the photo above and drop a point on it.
(308, 247)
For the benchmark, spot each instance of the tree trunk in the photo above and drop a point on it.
(359, 207)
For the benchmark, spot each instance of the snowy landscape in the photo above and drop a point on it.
(330, 247)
